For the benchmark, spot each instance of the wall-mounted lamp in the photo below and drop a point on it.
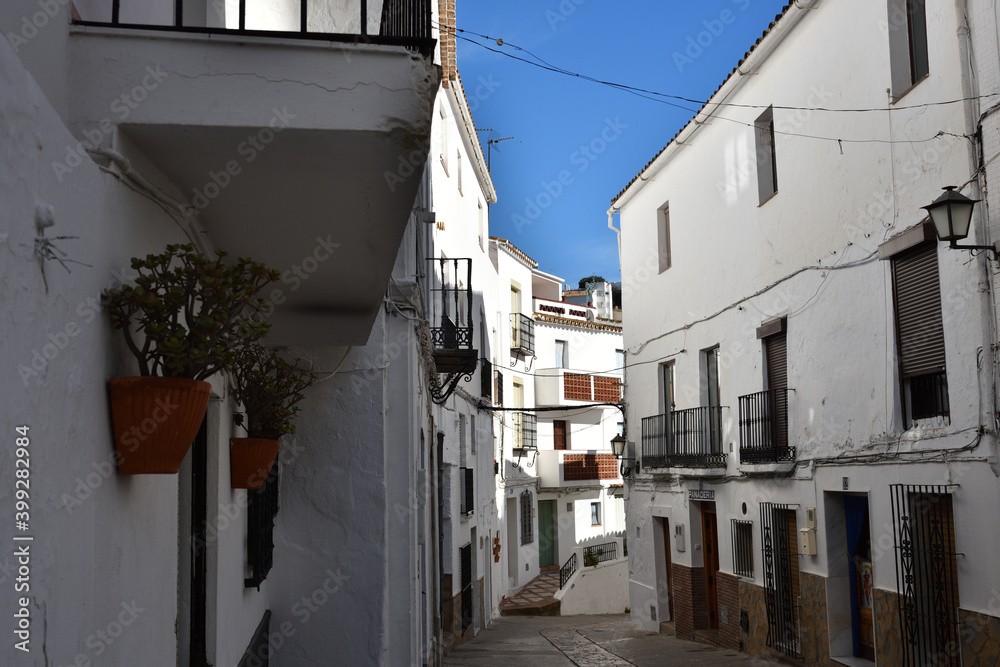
(951, 214)
(618, 447)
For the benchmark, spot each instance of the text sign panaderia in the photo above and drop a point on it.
(701, 495)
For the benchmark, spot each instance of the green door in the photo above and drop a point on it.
(546, 533)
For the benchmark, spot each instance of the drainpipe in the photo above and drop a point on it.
(438, 451)
(970, 91)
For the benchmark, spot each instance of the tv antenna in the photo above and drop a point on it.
(489, 147)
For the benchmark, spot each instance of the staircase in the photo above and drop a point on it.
(536, 599)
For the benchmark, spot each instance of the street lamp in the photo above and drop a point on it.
(951, 214)
(618, 447)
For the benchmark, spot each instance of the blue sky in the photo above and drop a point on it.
(577, 143)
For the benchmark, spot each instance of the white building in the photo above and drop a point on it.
(135, 125)
(811, 380)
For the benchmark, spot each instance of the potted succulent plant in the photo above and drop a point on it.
(184, 319)
(590, 557)
(269, 389)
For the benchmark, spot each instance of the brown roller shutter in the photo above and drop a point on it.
(777, 362)
(917, 292)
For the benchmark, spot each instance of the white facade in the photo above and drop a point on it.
(717, 266)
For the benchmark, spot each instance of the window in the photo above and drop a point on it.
(767, 164)
(920, 334)
(779, 539)
(710, 393)
(663, 237)
(667, 402)
(620, 362)
(458, 169)
(461, 441)
(595, 514)
(262, 506)
(908, 61)
(499, 388)
(527, 533)
(559, 434)
(743, 548)
(562, 354)
(472, 432)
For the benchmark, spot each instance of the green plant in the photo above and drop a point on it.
(590, 557)
(269, 389)
(194, 313)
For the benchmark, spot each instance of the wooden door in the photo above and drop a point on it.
(710, 546)
(559, 433)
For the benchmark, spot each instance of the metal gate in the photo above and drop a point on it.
(926, 573)
(779, 583)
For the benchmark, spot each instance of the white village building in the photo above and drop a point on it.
(811, 378)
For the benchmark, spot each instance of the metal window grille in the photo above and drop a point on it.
(465, 556)
(779, 545)
(499, 400)
(743, 548)
(926, 573)
(527, 532)
(522, 330)
(262, 506)
(525, 430)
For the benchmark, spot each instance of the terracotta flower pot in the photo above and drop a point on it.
(155, 421)
(250, 461)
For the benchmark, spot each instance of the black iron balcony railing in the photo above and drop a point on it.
(600, 553)
(451, 304)
(522, 333)
(525, 430)
(691, 438)
(402, 22)
(764, 427)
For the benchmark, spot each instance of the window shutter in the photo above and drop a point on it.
(777, 361)
(919, 331)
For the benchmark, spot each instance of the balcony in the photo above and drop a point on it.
(684, 438)
(559, 386)
(764, 428)
(295, 138)
(449, 312)
(525, 430)
(522, 334)
(561, 468)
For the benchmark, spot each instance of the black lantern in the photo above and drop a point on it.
(618, 447)
(951, 214)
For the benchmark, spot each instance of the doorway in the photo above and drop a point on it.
(548, 555)
(710, 549)
(667, 566)
(512, 542)
(860, 579)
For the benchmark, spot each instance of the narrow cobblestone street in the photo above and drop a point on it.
(584, 641)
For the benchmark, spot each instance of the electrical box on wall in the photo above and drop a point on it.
(807, 541)
(811, 518)
(679, 536)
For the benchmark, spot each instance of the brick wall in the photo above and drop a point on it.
(728, 591)
(577, 387)
(446, 14)
(690, 606)
(607, 389)
(577, 467)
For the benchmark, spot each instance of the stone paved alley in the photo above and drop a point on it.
(584, 641)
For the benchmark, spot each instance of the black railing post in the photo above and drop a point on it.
(304, 15)
(178, 13)
(243, 14)
(364, 18)
(115, 10)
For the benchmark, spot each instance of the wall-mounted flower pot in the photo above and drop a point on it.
(155, 421)
(250, 461)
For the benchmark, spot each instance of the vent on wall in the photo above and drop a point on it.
(652, 612)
